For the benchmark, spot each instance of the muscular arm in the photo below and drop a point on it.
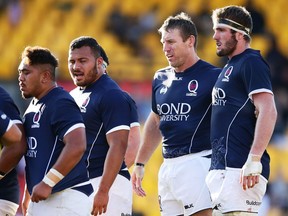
(14, 147)
(75, 145)
(117, 141)
(133, 145)
(267, 114)
(266, 119)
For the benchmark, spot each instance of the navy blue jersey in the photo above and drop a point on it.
(233, 118)
(9, 187)
(46, 121)
(4, 123)
(183, 102)
(105, 108)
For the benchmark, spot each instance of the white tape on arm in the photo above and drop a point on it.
(253, 166)
(52, 177)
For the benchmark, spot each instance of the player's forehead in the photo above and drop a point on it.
(82, 52)
(171, 34)
(24, 64)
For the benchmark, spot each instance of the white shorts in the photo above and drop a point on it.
(8, 208)
(181, 185)
(65, 203)
(120, 196)
(228, 195)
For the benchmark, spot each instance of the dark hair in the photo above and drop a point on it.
(235, 13)
(184, 23)
(39, 56)
(92, 43)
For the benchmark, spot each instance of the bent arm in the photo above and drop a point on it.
(14, 147)
(75, 146)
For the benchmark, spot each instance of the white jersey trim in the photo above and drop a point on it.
(79, 125)
(263, 90)
(121, 127)
(134, 124)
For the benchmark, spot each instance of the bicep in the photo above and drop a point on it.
(12, 135)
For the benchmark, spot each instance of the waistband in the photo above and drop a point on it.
(205, 153)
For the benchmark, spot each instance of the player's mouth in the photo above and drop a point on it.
(169, 57)
(218, 44)
(22, 86)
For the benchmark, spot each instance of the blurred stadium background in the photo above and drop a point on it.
(127, 30)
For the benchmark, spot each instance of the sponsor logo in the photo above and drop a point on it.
(174, 112)
(189, 206)
(218, 97)
(227, 74)
(192, 88)
(159, 201)
(32, 145)
(3, 116)
(253, 203)
(163, 90)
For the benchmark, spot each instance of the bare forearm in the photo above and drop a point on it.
(133, 146)
(112, 166)
(265, 123)
(151, 139)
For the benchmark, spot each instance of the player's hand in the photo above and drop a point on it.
(25, 201)
(40, 192)
(251, 171)
(137, 176)
(100, 203)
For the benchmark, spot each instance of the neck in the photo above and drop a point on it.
(46, 90)
(239, 50)
(188, 63)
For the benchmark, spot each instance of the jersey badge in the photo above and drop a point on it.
(227, 74)
(85, 104)
(37, 117)
(192, 88)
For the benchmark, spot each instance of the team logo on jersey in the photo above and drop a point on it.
(163, 90)
(3, 116)
(85, 104)
(192, 88)
(37, 117)
(227, 74)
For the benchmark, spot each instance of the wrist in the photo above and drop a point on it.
(139, 164)
(52, 177)
(254, 157)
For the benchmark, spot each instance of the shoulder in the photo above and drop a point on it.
(163, 73)
(209, 67)
(253, 58)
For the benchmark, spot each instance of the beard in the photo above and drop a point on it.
(89, 78)
(230, 47)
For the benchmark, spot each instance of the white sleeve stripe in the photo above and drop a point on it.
(79, 125)
(16, 121)
(260, 91)
(121, 127)
(134, 124)
(9, 125)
